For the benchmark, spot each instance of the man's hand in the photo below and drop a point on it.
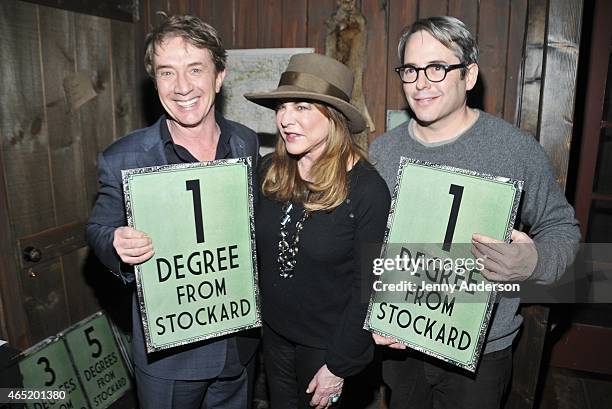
(132, 246)
(390, 342)
(514, 261)
(324, 385)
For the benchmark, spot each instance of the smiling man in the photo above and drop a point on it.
(439, 65)
(186, 60)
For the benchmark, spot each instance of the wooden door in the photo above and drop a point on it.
(68, 83)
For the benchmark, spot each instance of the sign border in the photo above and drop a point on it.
(125, 174)
(518, 185)
(128, 372)
(39, 346)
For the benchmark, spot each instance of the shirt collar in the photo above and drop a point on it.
(226, 132)
(224, 127)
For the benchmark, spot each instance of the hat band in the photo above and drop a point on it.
(311, 83)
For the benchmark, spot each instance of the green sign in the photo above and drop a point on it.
(429, 293)
(48, 366)
(124, 342)
(201, 283)
(98, 361)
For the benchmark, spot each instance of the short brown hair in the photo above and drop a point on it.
(450, 31)
(193, 30)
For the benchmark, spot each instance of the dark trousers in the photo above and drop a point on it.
(289, 369)
(417, 382)
(217, 393)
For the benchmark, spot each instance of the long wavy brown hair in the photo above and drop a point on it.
(329, 185)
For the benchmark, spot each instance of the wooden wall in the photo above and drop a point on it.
(499, 24)
(48, 146)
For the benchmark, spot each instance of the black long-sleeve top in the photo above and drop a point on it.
(324, 304)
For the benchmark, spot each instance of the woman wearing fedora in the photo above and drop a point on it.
(321, 203)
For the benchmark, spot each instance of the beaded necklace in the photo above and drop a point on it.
(287, 251)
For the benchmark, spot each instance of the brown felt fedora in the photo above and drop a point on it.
(318, 78)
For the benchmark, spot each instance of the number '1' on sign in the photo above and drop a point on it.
(431, 306)
(194, 186)
(201, 281)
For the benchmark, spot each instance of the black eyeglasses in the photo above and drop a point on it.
(434, 72)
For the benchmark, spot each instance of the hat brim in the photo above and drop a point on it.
(356, 121)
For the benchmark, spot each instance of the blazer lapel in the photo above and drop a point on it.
(152, 147)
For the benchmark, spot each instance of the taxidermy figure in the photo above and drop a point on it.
(346, 42)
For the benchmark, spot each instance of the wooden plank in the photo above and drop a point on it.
(145, 21)
(202, 9)
(527, 357)
(269, 19)
(125, 10)
(67, 168)
(401, 14)
(602, 197)
(156, 6)
(93, 56)
(141, 77)
(222, 18)
(514, 60)
(246, 24)
(430, 8)
(22, 120)
(557, 107)
(6, 257)
(318, 12)
(13, 321)
(493, 43)
(44, 299)
(529, 93)
(466, 11)
(179, 7)
(81, 292)
(294, 23)
(53, 243)
(555, 130)
(375, 75)
(151, 9)
(125, 64)
(149, 105)
(580, 348)
(593, 110)
(58, 47)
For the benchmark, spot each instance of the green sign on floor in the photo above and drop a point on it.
(201, 283)
(48, 366)
(429, 293)
(98, 361)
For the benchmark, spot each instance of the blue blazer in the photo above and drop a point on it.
(143, 148)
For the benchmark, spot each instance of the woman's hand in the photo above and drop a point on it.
(390, 342)
(324, 386)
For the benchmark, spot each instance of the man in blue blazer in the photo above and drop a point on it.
(186, 60)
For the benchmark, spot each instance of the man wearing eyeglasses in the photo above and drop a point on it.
(438, 58)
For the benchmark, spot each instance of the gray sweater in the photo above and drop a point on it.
(495, 147)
